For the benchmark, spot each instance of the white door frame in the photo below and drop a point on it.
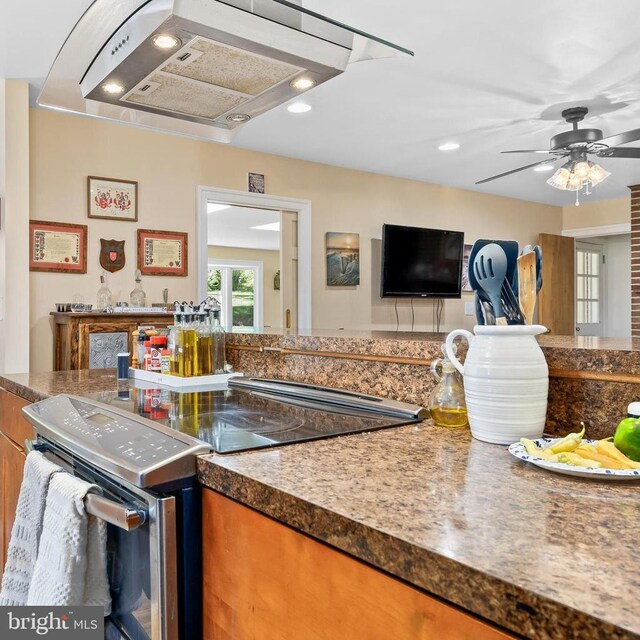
(263, 201)
(604, 230)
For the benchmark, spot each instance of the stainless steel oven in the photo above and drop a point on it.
(150, 501)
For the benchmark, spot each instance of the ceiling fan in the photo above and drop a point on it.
(577, 145)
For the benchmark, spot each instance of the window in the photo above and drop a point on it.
(588, 295)
(237, 285)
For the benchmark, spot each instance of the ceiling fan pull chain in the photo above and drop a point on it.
(577, 198)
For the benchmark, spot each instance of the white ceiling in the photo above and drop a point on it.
(232, 227)
(491, 75)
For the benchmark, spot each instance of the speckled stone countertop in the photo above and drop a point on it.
(544, 555)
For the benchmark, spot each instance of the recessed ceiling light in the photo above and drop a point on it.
(112, 87)
(165, 41)
(214, 206)
(543, 167)
(302, 84)
(299, 107)
(449, 146)
(238, 117)
(271, 226)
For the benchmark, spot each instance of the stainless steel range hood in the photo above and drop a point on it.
(199, 67)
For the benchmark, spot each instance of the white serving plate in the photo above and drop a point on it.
(517, 449)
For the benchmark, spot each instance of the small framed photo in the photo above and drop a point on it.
(162, 253)
(256, 182)
(343, 259)
(112, 199)
(57, 246)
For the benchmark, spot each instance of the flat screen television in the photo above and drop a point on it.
(421, 263)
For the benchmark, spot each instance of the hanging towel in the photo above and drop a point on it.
(71, 568)
(27, 526)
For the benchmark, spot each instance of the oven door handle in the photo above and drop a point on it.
(120, 515)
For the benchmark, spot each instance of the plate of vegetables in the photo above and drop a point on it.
(574, 455)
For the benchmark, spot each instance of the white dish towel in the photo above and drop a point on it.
(27, 526)
(71, 568)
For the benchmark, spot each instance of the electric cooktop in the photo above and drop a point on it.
(254, 413)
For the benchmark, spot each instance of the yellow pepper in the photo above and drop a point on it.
(568, 457)
(568, 443)
(609, 449)
(589, 451)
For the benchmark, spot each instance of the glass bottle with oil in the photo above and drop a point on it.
(190, 346)
(446, 402)
(205, 366)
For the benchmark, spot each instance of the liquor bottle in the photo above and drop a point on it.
(104, 299)
(138, 298)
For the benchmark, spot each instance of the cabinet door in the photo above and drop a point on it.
(263, 580)
(12, 459)
(100, 342)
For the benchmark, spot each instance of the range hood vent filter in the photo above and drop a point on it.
(181, 95)
(231, 68)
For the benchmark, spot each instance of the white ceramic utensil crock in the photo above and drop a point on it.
(506, 381)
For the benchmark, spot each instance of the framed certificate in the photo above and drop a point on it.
(57, 246)
(112, 199)
(162, 253)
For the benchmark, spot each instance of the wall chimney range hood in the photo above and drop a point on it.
(201, 68)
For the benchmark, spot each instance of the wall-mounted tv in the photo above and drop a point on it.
(421, 263)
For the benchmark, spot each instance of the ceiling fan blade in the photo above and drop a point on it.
(527, 151)
(630, 152)
(621, 138)
(527, 166)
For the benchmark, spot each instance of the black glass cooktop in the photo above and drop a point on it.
(237, 419)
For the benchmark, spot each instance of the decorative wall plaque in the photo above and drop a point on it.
(112, 199)
(57, 246)
(162, 253)
(112, 254)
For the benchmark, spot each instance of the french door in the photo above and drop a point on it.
(237, 286)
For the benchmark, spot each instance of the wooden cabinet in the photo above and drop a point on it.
(14, 430)
(91, 340)
(264, 580)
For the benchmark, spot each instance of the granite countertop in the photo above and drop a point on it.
(544, 555)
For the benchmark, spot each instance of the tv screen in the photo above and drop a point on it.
(421, 263)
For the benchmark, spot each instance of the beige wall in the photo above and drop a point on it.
(597, 214)
(65, 149)
(14, 230)
(270, 264)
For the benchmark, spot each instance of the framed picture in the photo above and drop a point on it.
(466, 285)
(57, 246)
(112, 199)
(256, 182)
(162, 253)
(343, 259)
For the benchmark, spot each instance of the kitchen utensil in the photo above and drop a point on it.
(506, 381)
(490, 269)
(480, 316)
(527, 285)
(538, 251)
(518, 450)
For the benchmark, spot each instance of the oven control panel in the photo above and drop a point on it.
(98, 434)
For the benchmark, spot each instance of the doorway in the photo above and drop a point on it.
(603, 286)
(254, 257)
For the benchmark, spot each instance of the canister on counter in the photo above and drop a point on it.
(123, 366)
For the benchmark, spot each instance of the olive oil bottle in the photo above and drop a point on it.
(446, 402)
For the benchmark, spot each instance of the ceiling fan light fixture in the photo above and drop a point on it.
(560, 179)
(582, 169)
(597, 174)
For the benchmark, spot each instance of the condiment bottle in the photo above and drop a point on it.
(218, 343)
(446, 402)
(138, 298)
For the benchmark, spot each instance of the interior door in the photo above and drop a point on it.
(590, 308)
(556, 300)
(289, 268)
